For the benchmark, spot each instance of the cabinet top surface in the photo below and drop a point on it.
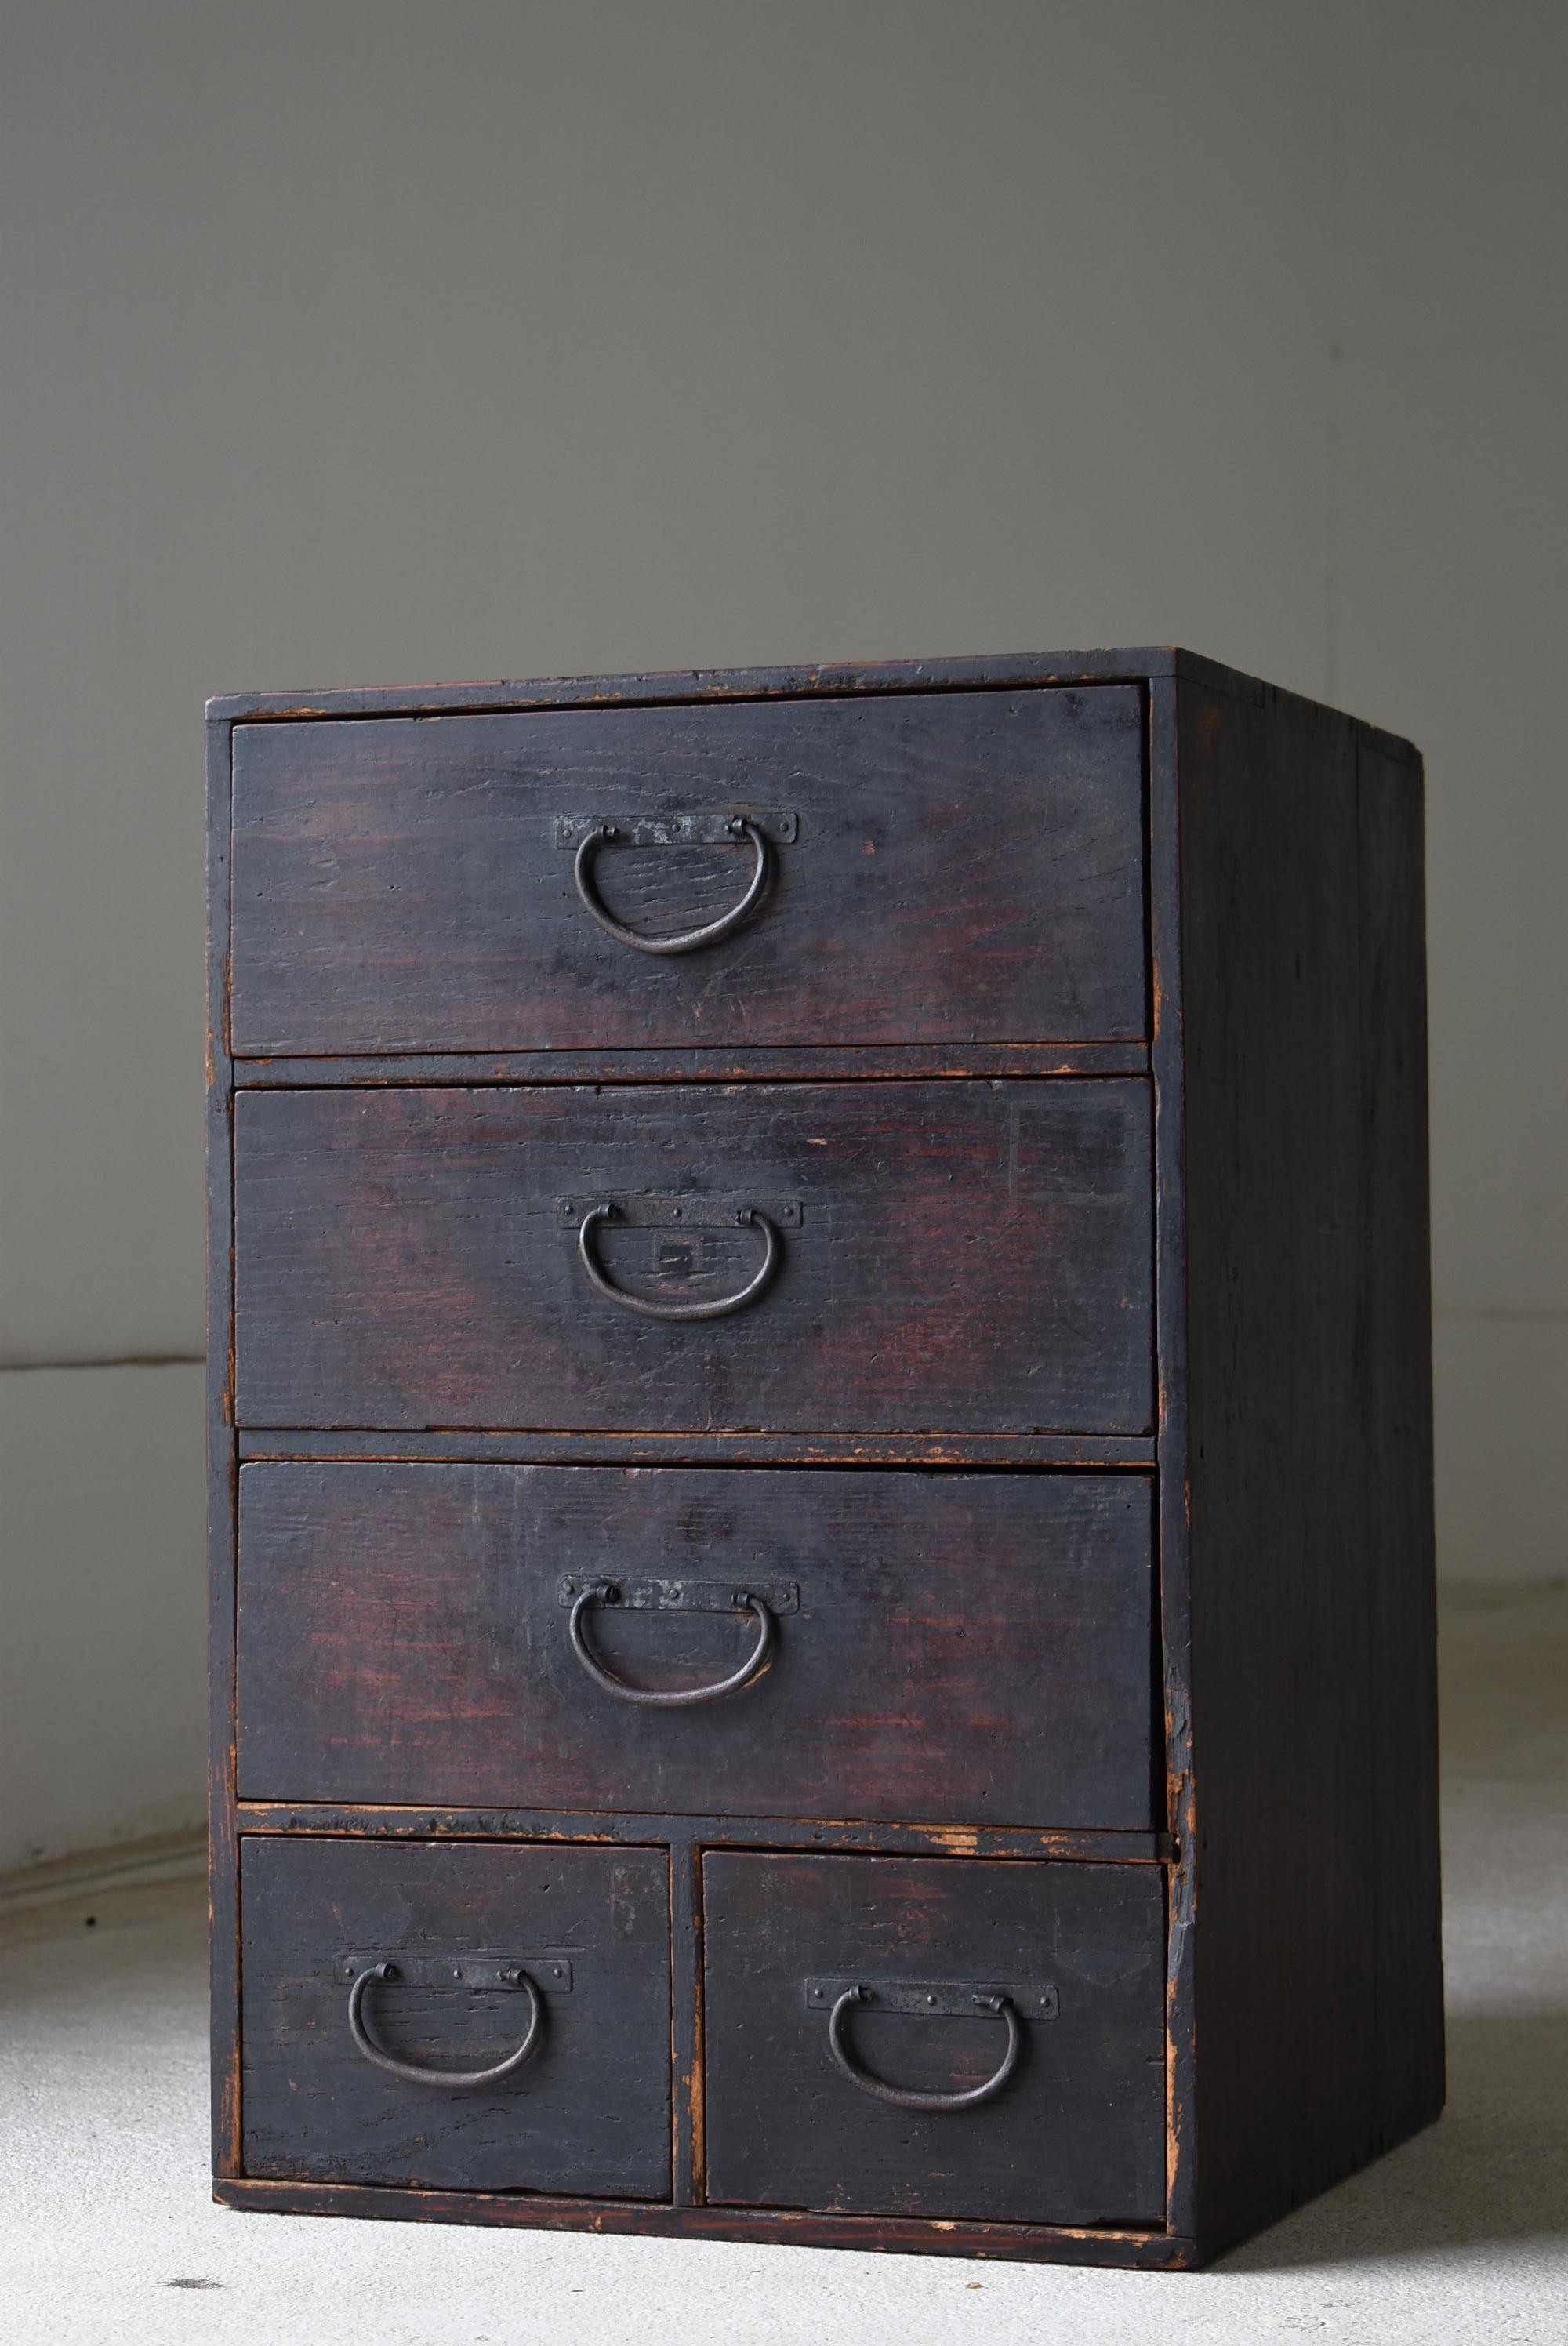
(1125, 664)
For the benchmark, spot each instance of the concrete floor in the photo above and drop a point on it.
(110, 2239)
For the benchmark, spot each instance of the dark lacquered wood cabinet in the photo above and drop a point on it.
(821, 1428)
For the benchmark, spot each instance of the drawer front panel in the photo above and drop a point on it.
(950, 1256)
(409, 885)
(588, 2111)
(1076, 2132)
(951, 1647)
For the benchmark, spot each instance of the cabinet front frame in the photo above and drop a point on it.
(1157, 674)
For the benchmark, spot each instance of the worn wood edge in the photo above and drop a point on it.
(1073, 1845)
(656, 688)
(772, 1063)
(687, 2086)
(1237, 764)
(1124, 665)
(222, 1470)
(460, 1445)
(1224, 684)
(1174, 1632)
(1411, 1812)
(934, 2236)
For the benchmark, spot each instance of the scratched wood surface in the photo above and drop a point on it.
(398, 885)
(661, 688)
(222, 1483)
(1395, 1350)
(968, 1648)
(1140, 2249)
(809, 1063)
(728, 1828)
(1076, 2135)
(589, 2112)
(702, 1449)
(970, 1286)
(969, 1256)
(1318, 2012)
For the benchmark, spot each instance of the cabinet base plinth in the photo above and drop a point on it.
(786, 2227)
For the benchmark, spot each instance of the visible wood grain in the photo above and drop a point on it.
(972, 1256)
(1394, 1349)
(848, 1449)
(1304, 1316)
(1172, 1487)
(1149, 2252)
(689, 2152)
(1285, 1025)
(588, 2113)
(222, 1477)
(972, 1648)
(1077, 2137)
(399, 886)
(429, 1822)
(823, 679)
(662, 688)
(665, 687)
(812, 1062)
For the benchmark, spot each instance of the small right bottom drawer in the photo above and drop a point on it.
(948, 2037)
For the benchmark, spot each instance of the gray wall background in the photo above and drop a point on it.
(349, 342)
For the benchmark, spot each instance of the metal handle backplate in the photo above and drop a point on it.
(590, 1219)
(759, 830)
(685, 1595)
(593, 1594)
(470, 1972)
(840, 1997)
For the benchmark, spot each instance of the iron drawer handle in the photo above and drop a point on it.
(410, 2070)
(690, 939)
(899, 2094)
(600, 1592)
(649, 1310)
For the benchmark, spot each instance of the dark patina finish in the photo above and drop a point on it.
(820, 1427)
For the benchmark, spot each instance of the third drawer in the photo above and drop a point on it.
(947, 1647)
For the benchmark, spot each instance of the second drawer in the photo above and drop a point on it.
(789, 1258)
(962, 1648)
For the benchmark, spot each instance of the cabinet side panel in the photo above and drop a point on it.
(1396, 1369)
(222, 1471)
(1300, 1341)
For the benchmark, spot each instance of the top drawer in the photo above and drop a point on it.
(940, 868)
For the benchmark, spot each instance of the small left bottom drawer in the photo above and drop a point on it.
(480, 2016)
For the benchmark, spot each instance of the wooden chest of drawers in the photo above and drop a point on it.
(821, 1539)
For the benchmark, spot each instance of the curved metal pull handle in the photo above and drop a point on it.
(600, 1592)
(690, 939)
(411, 2071)
(899, 2096)
(718, 1310)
